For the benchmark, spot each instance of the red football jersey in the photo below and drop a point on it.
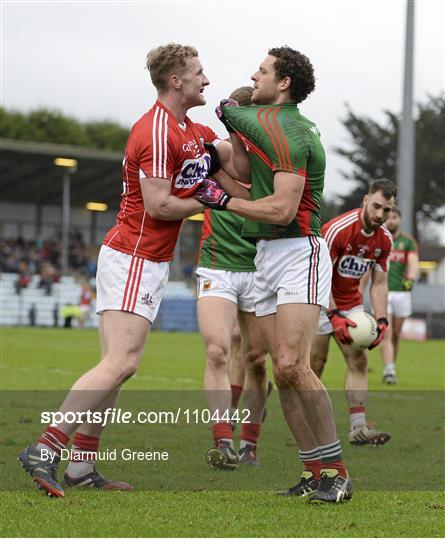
(353, 253)
(158, 147)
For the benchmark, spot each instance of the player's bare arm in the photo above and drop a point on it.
(279, 208)
(379, 293)
(159, 203)
(231, 186)
(412, 265)
(234, 158)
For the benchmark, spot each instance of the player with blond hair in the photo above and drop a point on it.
(164, 164)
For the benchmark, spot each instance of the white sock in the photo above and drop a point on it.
(390, 368)
(358, 418)
(243, 444)
(82, 463)
(79, 468)
(230, 441)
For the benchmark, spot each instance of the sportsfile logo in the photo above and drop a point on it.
(193, 170)
(353, 267)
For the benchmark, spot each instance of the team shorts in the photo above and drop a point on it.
(324, 324)
(128, 283)
(84, 309)
(399, 304)
(291, 271)
(234, 286)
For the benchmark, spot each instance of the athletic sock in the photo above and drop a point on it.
(311, 460)
(249, 434)
(332, 459)
(236, 394)
(53, 440)
(83, 455)
(390, 368)
(358, 416)
(222, 431)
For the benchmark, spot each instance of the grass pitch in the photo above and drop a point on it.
(399, 487)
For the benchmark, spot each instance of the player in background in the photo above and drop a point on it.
(85, 301)
(403, 268)
(225, 277)
(237, 370)
(237, 376)
(358, 242)
(165, 162)
(281, 150)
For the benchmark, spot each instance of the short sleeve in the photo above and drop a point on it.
(287, 149)
(412, 245)
(332, 237)
(208, 135)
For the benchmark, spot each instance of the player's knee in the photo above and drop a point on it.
(236, 340)
(217, 355)
(256, 363)
(318, 362)
(358, 362)
(395, 334)
(292, 371)
(122, 367)
(127, 372)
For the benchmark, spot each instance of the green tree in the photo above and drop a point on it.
(43, 125)
(373, 154)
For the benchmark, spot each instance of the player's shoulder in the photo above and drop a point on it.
(203, 130)
(338, 229)
(385, 235)
(409, 238)
(345, 220)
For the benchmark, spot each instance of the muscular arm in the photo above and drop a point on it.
(412, 265)
(231, 186)
(378, 293)
(234, 158)
(159, 203)
(279, 208)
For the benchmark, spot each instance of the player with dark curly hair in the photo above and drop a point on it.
(281, 151)
(289, 61)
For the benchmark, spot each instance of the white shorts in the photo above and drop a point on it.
(291, 271)
(128, 283)
(84, 309)
(234, 286)
(324, 324)
(399, 304)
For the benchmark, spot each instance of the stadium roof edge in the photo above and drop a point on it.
(28, 174)
(55, 149)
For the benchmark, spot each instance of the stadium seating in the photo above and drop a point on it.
(177, 311)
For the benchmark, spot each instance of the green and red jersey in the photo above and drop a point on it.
(403, 244)
(279, 138)
(222, 247)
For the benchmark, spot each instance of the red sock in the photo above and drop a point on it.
(339, 465)
(355, 410)
(54, 439)
(236, 394)
(250, 433)
(222, 430)
(85, 447)
(314, 466)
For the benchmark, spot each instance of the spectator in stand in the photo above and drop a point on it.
(24, 278)
(86, 299)
(47, 279)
